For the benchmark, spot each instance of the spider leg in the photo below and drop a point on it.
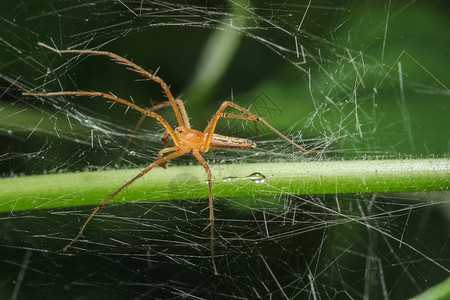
(209, 130)
(184, 115)
(212, 124)
(211, 205)
(159, 161)
(164, 151)
(138, 125)
(165, 137)
(131, 66)
(120, 100)
(154, 108)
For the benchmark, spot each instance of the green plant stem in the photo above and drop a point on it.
(438, 292)
(229, 180)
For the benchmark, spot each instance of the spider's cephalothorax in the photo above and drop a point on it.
(189, 138)
(184, 138)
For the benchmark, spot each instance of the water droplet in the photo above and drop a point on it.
(255, 177)
(88, 123)
(230, 179)
(9, 131)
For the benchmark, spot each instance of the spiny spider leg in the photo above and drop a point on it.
(133, 67)
(115, 98)
(210, 128)
(138, 125)
(159, 161)
(142, 118)
(154, 108)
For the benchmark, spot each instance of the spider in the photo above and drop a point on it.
(185, 139)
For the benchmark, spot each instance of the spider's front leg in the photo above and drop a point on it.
(164, 151)
(210, 128)
(138, 125)
(166, 135)
(133, 67)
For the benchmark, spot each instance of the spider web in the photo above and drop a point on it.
(356, 79)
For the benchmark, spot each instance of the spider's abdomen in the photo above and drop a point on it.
(229, 142)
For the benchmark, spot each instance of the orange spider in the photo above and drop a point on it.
(185, 139)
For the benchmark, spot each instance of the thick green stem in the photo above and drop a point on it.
(229, 180)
